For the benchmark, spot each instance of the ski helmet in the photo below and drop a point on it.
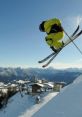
(41, 27)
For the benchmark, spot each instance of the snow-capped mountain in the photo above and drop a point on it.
(68, 103)
(66, 75)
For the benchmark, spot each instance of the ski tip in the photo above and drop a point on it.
(44, 66)
(39, 61)
(78, 26)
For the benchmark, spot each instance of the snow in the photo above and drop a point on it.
(24, 106)
(5, 90)
(68, 103)
(1, 84)
(36, 107)
(50, 85)
(13, 85)
(39, 84)
(21, 82)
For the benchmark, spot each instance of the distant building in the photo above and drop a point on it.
(36, 87)
(48, 86)
(62, 84)
(59, 85)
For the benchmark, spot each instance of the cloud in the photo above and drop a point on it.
(73, 21)
(78, 20)
(61, 65)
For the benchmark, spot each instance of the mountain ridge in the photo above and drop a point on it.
(51, 74)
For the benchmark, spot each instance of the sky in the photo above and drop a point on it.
(21, 42)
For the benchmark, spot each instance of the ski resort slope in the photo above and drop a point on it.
(68, 103)
(36, 107)
(24, 106)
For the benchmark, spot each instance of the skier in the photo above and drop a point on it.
(38, 99)
(55, 33)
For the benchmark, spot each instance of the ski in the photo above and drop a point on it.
(45, 65)
(41, 61)
(46, 58)
(75, 31)
(55, 54)
(72, 38)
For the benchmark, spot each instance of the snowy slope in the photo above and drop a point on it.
(68, 103)
(24, 106)
(36, 107)
(16, 106)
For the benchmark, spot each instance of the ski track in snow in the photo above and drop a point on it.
(36, 107)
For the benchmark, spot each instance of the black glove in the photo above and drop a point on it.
(55, 28)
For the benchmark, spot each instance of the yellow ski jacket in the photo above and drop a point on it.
(53, 39)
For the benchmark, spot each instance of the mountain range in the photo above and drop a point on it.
(51, 74)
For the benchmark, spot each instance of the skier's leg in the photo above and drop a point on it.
(55, 50)
(57, 40)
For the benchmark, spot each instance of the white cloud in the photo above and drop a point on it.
(78, 20)
(60, 65)
(72, 21)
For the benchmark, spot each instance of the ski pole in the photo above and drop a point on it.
(73, 42)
